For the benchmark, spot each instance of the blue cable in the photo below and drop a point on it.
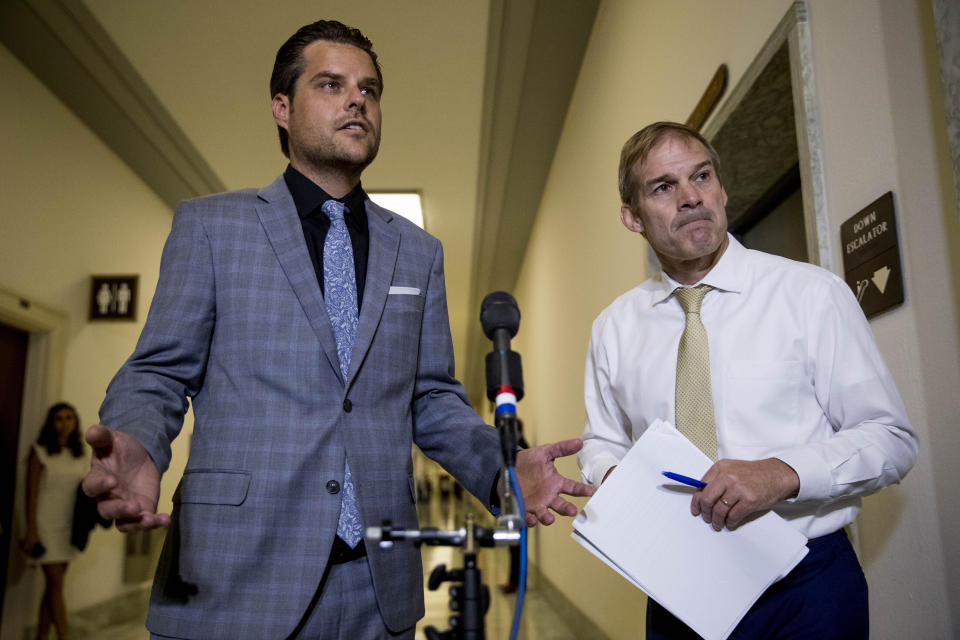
(522, 579)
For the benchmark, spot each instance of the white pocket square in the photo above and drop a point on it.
(404, 291)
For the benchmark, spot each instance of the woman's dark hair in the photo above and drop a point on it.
(49, 437)
(289, 63)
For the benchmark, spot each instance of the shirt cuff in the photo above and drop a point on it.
(594, 471)
(815, 479)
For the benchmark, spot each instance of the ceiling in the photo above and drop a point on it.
(475, 96)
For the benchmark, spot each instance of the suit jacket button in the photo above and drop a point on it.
(333, 487)
(347, 405)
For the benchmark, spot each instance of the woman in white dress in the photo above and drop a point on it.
(55, 467)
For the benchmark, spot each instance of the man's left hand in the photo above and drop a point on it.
(542, 484)
(736, 489)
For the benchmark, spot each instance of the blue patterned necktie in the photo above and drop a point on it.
(340, 295)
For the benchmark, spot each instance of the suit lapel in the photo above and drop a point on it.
(382, 260)
(278, 215)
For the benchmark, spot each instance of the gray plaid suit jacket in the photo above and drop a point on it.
(238, 324)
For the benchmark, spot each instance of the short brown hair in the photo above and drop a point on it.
(289, 64)
(639, 146)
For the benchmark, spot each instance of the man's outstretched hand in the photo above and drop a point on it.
(542, 484)
(124, 480)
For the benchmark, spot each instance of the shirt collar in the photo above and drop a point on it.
(729, 274)
(308, 196)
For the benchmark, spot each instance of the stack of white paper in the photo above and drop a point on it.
(639, 523)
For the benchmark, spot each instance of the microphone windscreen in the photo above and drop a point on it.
(499, 310)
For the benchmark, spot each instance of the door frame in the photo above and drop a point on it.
(794, 29)
(43, 378)
(42, 386)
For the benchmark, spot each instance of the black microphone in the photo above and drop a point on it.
(500, 319)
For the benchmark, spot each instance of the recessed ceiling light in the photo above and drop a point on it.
(406, 203)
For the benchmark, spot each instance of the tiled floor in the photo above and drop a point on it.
(539, 621)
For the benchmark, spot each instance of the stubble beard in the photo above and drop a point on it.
(321, 153)
(328, 156)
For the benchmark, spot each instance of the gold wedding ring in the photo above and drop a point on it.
(724, 501)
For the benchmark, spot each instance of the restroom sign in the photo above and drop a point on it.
(871, 256)
(113, 297)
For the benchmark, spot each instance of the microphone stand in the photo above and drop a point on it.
(500, 319)
(470, 598)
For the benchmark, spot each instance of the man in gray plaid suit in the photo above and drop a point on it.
(287, 431)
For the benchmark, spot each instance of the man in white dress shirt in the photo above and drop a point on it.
(808, 419)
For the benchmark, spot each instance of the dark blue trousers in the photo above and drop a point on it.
(823, 598)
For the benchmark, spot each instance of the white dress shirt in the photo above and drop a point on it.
(795, 373)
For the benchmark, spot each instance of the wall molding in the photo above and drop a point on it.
(64, 46)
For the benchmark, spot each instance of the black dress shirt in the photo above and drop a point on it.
(308, 198)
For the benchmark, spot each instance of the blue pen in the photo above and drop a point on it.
(699, 484)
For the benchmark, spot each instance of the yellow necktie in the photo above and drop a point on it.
(694, 397)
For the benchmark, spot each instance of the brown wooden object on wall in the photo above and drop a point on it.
(709, 100)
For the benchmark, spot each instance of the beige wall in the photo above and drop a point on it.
(883, 131)
(71, 209)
